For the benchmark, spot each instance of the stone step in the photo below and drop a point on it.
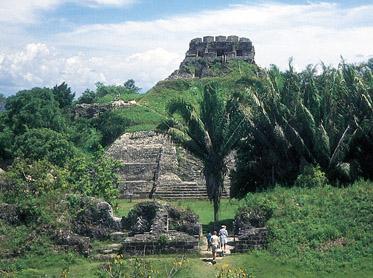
(180, 195)
(137, 153)
(104, 257)
(118, 236)
(186, 195)
(181, 190)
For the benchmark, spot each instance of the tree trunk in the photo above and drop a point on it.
(216, 211)
(214, 183)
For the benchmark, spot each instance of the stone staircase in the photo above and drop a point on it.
(111, 248)
(183, 190)
(154, 168)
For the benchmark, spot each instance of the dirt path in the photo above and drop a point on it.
(206, 255)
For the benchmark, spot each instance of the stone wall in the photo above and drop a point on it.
(150, 244)
(254, 238)
(93, 110)
(155, 167)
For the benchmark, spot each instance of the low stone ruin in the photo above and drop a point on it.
(159, 228)
(150, 243)
(95, 219)
(69, 240)
(250, 228)
(93, 110)
(10, 213)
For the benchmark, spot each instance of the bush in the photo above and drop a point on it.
(248, 217)
(319, 227)
(25, 180)
(45, 144)
(312, 176)
(94, 176)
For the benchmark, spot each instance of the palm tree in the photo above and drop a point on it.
(210, 132)
(312, 118)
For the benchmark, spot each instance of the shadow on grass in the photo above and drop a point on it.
(210, 227)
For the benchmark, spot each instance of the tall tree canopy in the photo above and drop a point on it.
(35, 108)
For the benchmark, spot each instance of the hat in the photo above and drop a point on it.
(223, 226)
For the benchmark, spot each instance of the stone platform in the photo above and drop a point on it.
(155, 167)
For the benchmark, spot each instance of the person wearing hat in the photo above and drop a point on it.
(223, 233)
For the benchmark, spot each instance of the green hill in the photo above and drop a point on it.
(151, 106)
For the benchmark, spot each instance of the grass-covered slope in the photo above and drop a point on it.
(151, 107)
(326, 228)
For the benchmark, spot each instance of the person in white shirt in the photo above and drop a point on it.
(215, 243)
(223, 233)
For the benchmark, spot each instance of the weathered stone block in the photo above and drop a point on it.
(208, 39)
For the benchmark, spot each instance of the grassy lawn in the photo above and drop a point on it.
(260, 264)
(203, 208)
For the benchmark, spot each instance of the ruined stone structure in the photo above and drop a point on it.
(160, 228)
(253, 238)
(203, 53)
(149, 244)
(155, 167)
(93, 110)
(231, 47)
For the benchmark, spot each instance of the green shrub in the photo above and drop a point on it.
(94, 176)
(312, 176)
(44, 143)
(319, 227)
(25, 180)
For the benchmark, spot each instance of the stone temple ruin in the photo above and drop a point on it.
(231, 47)
(155, 167)
(202, 53)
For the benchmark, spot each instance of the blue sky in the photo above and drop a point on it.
(45, 42)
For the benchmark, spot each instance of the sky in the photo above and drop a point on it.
(81, 42)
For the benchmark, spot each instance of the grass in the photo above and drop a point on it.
(203, 208)
(151, 107)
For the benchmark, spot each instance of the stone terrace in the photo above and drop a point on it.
(153, 168)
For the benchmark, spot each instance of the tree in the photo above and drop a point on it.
(95, 176)
(63, 95)
(35, 108)
(305, 118)
(210, 132)
(111, 124)
(44, 144)
(130, 85)
(88, 97)
(2, 102)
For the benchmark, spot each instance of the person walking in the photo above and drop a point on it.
(223, 233)
(208, 237)
(215, 243)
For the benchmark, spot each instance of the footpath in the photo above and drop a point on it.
(206, 255)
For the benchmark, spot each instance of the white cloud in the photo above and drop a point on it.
(28, 11)
(21, 11)
(148, 51)
(39, 65)
(105, 2)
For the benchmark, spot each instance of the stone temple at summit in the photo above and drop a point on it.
(231, 47)
(204, 52)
